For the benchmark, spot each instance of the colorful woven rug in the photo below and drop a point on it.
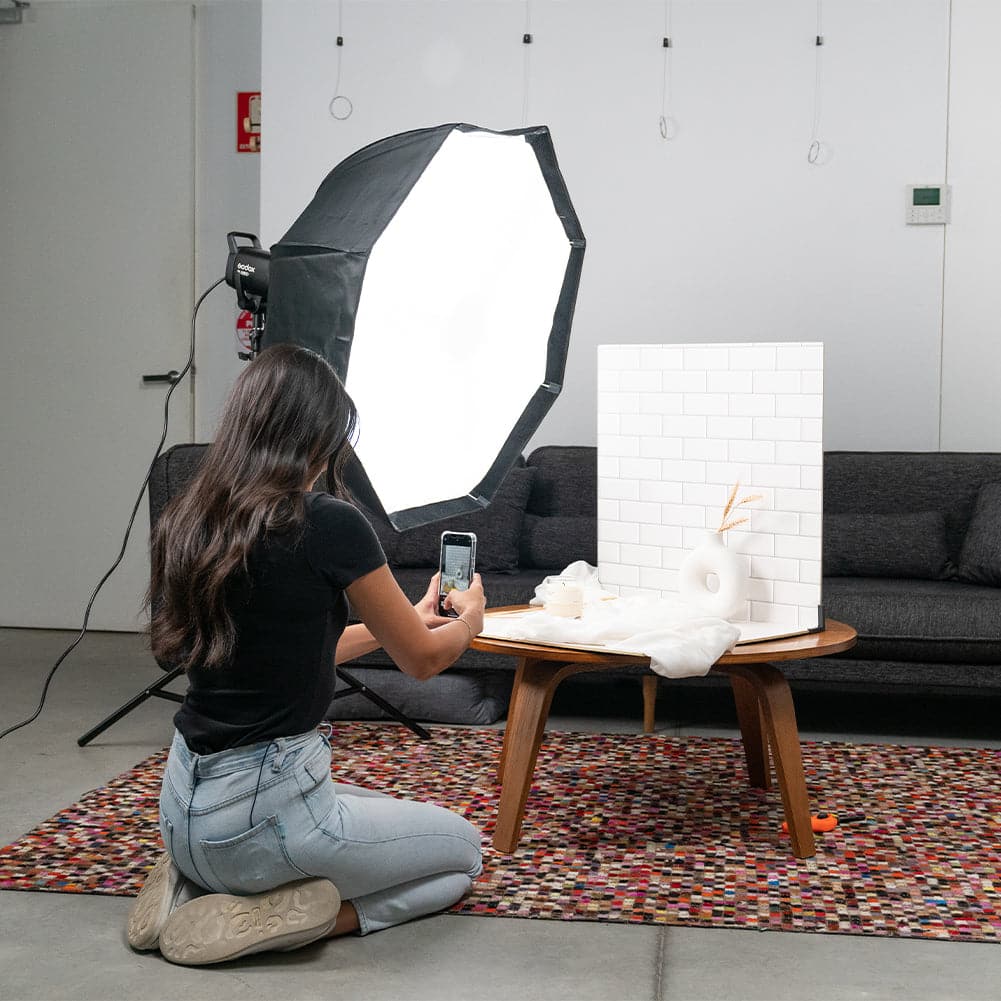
(637, 828)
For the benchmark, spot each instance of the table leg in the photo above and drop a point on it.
(649, 702)
(752, 732)
(537, 680)
(776, 706)
(520, 670)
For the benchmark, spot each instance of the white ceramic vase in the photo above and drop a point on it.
(712, 559)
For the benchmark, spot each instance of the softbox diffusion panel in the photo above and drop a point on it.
(437, 271)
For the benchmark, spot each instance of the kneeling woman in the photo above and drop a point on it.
(251, 577)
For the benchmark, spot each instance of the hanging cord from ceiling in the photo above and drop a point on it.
(340, 106)
(526, 42)
(667, 123)
(816, 146)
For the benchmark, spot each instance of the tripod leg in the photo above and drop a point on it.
(385, 706)
(149, 692)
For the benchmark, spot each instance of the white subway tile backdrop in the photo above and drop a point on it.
(678, 425)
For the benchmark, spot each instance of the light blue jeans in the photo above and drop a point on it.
(249, 819)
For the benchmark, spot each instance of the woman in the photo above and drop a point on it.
(251, 578)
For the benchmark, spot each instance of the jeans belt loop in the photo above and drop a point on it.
(280, 752)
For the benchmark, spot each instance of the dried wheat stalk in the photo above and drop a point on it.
(730, 500)
(731, 505)
(726, 526)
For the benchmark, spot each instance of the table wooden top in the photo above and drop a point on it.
(836, 637)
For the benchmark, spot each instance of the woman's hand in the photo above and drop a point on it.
(469, 604)
(427, 607)
(398, 627)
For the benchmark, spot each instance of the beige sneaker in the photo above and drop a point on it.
(165, 889)
(219, 926)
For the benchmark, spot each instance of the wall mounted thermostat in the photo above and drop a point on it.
(928, 204)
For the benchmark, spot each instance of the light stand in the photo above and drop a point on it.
(247, 272)
(429, 258)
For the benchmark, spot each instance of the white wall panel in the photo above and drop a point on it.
(772, 529)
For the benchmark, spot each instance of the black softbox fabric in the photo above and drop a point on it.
(318, 274)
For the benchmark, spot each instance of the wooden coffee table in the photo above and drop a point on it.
(765, 714)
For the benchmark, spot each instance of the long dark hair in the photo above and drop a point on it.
(287, 417)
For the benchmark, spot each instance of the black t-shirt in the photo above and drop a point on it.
(289, 612)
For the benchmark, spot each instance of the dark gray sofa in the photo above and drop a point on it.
(912, 559)
(928, 612)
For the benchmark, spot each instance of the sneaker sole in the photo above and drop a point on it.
(152, 907)
(219, 926)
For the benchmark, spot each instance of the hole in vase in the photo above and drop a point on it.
(712, 582)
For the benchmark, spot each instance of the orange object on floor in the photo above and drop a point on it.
(823, 822)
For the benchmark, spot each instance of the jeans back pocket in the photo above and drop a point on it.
(317, 787)
(252, 862)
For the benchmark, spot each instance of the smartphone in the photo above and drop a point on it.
(455, 566)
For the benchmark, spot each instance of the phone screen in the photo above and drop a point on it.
(456, 564)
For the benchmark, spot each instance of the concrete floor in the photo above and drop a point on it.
(67, 946)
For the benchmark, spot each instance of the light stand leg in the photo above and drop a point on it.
(156, 690)
(149, 692)
(354, 685)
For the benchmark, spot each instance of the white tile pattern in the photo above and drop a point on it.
(678, 425)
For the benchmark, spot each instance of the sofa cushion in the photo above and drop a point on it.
(944, 622)
(454, 696)
(170, 474)
(897, 482)
(566, 480)
(558, 541)
(497, 527)
(885, 545)
(862, 676)
(980, 560)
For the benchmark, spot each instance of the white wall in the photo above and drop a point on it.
(117, 163)
(726, 233)
(971, 370)
(96, 222)
(228, 34)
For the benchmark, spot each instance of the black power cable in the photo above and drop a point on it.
(128, 530)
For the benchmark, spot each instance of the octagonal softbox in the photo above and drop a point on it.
(437, 270)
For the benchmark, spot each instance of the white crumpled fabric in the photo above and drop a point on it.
(680, 642)
(580, 573)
